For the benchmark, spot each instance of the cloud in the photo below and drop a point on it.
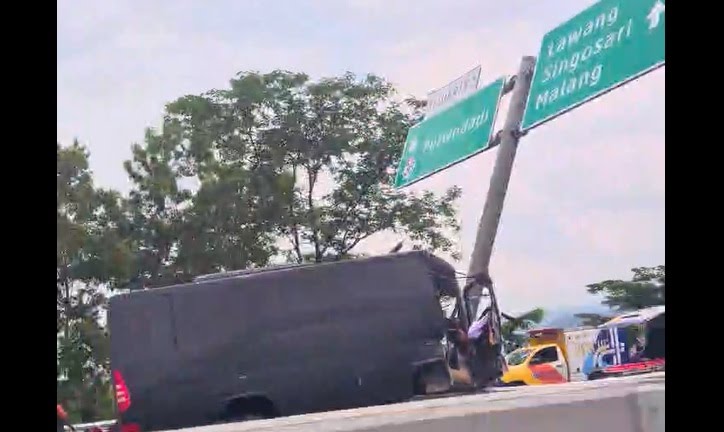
(430, 61)
(108, 94)
(612, 232)
(524, 281)
(593, 169)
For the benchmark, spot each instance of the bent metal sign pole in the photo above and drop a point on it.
(603, 47)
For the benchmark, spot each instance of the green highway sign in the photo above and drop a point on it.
(603, 47)
(450, 136)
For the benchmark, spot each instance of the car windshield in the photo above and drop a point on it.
(517, 357)
(448, 305)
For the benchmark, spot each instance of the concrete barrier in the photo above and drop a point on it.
(634, 404)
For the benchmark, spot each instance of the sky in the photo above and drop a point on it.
(586, 198)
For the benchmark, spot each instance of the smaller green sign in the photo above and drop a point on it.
(450, 136)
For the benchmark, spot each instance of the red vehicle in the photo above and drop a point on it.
(62, 419)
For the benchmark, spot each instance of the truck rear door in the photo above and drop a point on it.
(142, 338)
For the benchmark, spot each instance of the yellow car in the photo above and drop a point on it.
(543, 361)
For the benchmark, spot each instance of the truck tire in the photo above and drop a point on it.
(247, 409)
(595, 376)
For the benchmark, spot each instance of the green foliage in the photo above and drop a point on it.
(511, 328)
(308, 161)
(154, 209)
(646, 288)
(91, 254)
(83, 381)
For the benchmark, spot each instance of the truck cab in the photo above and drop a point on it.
(542, 361)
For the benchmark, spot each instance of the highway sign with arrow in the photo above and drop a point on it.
(603, 47)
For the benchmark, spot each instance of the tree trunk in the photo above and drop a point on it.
(293, 218)
(312, 181)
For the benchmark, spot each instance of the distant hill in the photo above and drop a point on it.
(564, 317)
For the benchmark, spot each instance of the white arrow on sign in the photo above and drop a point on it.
(654, 16)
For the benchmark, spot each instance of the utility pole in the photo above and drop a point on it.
(510, 134)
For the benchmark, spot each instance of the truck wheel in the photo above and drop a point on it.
(247, 409)
(595, 376)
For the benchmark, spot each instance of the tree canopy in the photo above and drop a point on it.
(91, 254)
(276, 165)
(512, 328)
(310, 163)
(646, 288)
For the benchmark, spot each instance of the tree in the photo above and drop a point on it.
(511, 329)
(90, 254)
(278, 155)
(83, 383)
(155, 207)
(646, 288)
